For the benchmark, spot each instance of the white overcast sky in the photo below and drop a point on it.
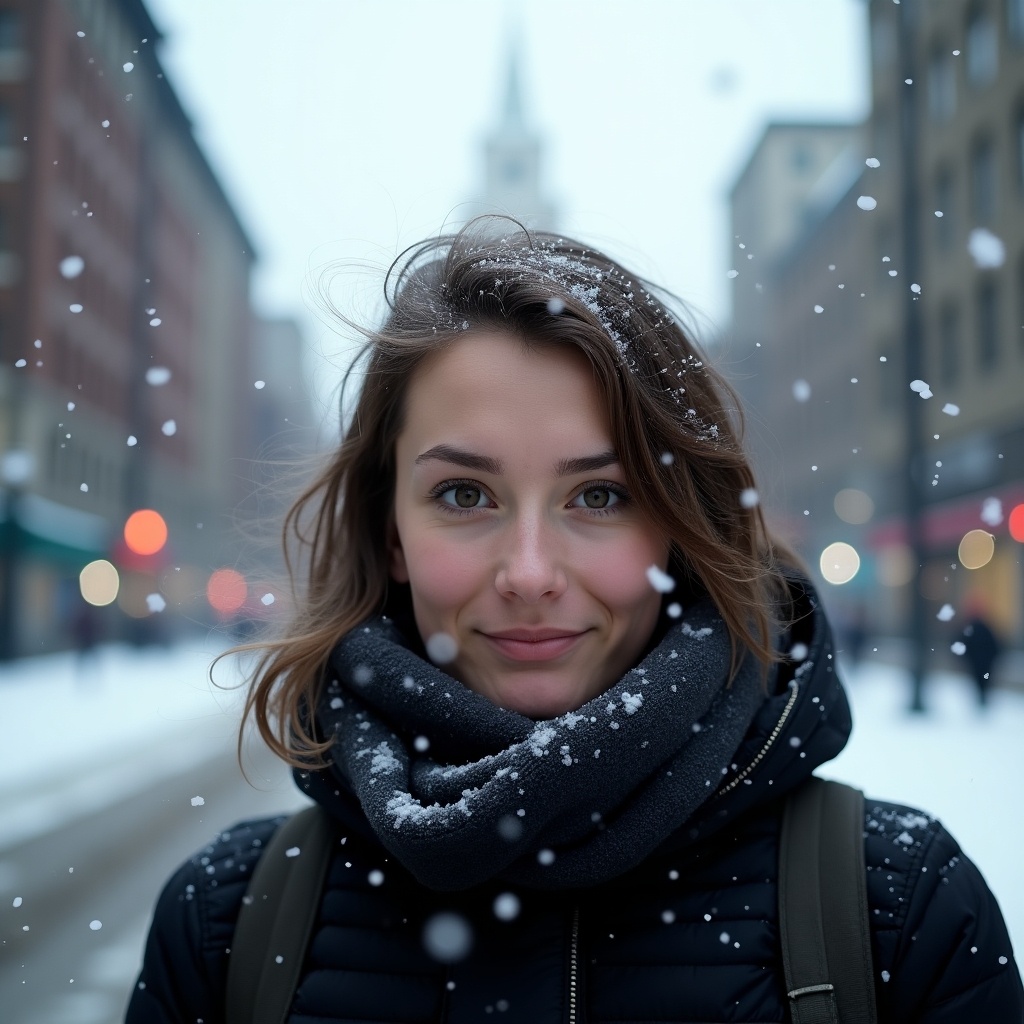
(351, 128)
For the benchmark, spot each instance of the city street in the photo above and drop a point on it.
(93, 835)
(91, 826)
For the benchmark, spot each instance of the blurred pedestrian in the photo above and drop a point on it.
(856, 630)
(982, 649)
(551, 684)
(85, 630)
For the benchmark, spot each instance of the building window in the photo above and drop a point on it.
(1020, 147)
(1015, 19)
(949, 344)
(988, 325)
(801, 158)
(983, 181)
(1020, 304)
(513, 171)
(10, 31)
(883, 42)
(945, 204)
(941, 84)
(982, 48)
(889, 373)
(883, 130)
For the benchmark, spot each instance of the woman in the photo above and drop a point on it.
(550, 677)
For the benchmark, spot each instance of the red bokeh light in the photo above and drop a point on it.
(1017, 523)
(145, 532)
(226, 590)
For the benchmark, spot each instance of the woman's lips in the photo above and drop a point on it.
(534, 650)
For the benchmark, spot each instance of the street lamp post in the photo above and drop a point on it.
(913, 419)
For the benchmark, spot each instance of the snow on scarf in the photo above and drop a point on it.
(461, 791)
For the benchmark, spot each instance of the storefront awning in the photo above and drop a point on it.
(43, 529)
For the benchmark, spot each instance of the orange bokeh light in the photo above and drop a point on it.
(226, 590)
(145, 532)
(1017, 523)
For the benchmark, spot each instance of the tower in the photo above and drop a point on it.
(512, 159)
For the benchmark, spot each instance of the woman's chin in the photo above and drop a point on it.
(537, 698)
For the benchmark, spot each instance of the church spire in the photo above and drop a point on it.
(512, 153)
(513, 114)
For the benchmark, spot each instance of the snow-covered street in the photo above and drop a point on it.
(109, 777)
(81, 742)
(962, 766)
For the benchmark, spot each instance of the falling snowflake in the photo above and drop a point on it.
(71, 266)
(991, 511)
(442, 648)
(987, 250)
(660, 580)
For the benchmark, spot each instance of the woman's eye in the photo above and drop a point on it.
(597, 498)
(463, 496)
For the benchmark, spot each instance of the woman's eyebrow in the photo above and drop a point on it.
(461, 457)
(587, 463)
(485, 464)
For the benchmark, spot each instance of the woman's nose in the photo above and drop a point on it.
(531, 568)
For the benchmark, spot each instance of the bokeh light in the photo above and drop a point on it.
(853, 506)
(145, 532)
(839, 563)
(895, 565)
(1016, 523)
(99, 583)
(976, 549)
(226, 591)
(182, 584)
(135, 588)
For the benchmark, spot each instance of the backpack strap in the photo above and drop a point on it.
(823, 907)
(276, 919)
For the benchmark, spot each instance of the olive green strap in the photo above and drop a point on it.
(823, 908)
(276, 920)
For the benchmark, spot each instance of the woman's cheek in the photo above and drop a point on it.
(616, 573)
(442, 575)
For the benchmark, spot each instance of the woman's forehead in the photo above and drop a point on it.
(490, 385)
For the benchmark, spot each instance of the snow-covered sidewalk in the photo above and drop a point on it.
(77, 742)
(963, 766)
(80, 738)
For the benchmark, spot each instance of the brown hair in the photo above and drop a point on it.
(675, 422)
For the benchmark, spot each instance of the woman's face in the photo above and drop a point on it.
(513, 527)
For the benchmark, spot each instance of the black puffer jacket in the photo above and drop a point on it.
(688, 935)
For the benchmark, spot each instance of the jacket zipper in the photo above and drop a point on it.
(733, 783)
(574, 963)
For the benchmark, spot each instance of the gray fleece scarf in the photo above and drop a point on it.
(461, 791)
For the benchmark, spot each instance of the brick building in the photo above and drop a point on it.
(125, 323)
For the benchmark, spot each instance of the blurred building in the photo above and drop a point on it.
(513, 159)
(791, 215)
(823, 343)
(126, 335)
